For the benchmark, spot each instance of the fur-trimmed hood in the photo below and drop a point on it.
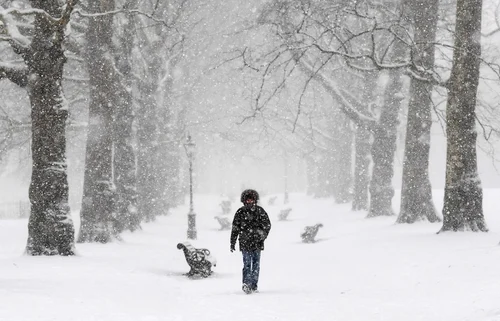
(249, 193)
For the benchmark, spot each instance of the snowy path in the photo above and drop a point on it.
(360, 270)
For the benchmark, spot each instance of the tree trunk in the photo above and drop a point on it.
(50, 227)
(155, 119)
(124, 154)
(384, 147)
(312, 176)
(463, 195)
(343, 161)
(98, 216)
(147, 135)
(325, 174)
(163, 161)
(361, 169)
(171, 185)
(362, 149)
(416, 192)
(150, 172)
(168, 151)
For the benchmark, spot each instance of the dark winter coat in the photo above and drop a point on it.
(252, 228)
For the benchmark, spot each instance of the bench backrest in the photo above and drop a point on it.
(310, 232)
(223, 221)
(194, 255)
(284, 214)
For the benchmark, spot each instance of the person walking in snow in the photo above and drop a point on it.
(251, 225)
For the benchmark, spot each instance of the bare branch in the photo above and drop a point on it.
(18, 75)
(239, 54)
(345, 102)
(127, 11)
(497, 22)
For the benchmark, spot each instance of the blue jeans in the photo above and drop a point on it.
(251, 268)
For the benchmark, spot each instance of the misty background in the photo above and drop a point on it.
(263, 90)
(218, 105)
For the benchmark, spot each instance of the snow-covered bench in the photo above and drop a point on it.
(225, 206)
(200, 261)
(310, 233)
(272, 200)
(283, 215)
(225, 223)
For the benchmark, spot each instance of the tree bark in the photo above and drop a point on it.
(147, 134)
(149, 176)
(342, 167)
(167, 157)
(463, 194)
(124, 155)
(50, 227)
(98, 216)
(361, 169)
(362, 156)
(416, 192)
(384, 148)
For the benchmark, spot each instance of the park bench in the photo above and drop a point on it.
(225, 223)
(272, 200)
(199, 260)
(283, 215)
(225, 206)
(310, 233)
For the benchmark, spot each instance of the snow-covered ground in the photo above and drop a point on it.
(361, 269)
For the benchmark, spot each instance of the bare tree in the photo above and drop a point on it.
(98, 213)
(147, 120)
(342, 149)
(384, 148)
(320, 39)
(463, 199)
(124, 160)
(416, 192)
(109, 199)
(159, 132)
(50, 228)
(362, 149)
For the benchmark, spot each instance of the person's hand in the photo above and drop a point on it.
(232, 249)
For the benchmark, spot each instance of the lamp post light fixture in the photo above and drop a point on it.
(189, 147)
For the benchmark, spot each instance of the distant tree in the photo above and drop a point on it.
(324, 174)
(98, 212)
(384, 143)
(147, 119)
(109, 198)
(416, 192)
(342, 165)
(124, 160)
(50, 228)
(167, 159)
(370, 40)
(385, 134)
(14, 129)
(383, 130)
(312, 176)
(329, 167)
(463, 195)
(159, 132)
(362, 155)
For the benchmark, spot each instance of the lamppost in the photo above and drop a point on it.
(189, 146)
